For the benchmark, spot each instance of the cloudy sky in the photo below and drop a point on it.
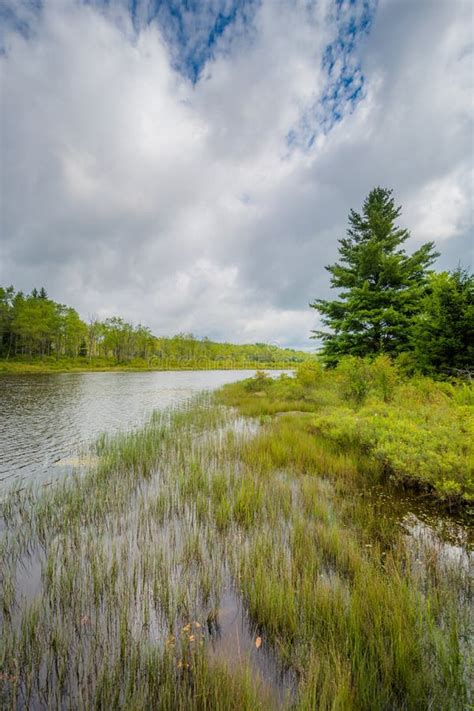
(190, 164)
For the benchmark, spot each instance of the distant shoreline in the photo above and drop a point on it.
(14, 367)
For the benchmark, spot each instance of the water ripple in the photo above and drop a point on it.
(49, 417)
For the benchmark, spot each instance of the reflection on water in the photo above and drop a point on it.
(419, 513)
(236, 643)
(46, 419)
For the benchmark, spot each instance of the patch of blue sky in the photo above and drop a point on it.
(192, 28)
(345, 80)
(17, 16)
(352, 21)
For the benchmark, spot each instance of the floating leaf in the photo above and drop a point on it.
(258, 642)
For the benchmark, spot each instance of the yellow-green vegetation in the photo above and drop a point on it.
(50, 364)
(417, 431)
(114, 580)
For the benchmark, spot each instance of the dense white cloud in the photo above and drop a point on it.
(126, 188)
(444, 208)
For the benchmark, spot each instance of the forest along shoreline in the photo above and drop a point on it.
(37, 334)
(144, 557)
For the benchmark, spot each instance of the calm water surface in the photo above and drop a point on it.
(48, 418)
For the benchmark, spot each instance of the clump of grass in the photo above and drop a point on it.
(320, 593)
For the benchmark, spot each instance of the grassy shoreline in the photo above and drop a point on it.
(136, 557)
(416, 431)
(24, 367)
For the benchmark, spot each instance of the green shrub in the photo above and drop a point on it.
(384, 377)
(309, 373)
(355, 378)
(259, 382)
(407, 364)
(425, 443)
(463, 394)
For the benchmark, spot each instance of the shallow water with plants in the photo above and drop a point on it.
(48, 419)
(212, 560)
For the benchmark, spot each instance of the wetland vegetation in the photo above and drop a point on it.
(415, 430)
(117, 580)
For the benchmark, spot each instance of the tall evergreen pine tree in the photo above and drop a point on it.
(381, 285)
(443, 334)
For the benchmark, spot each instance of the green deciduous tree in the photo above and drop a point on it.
(36, 326)
(7, 296)
(381, 285)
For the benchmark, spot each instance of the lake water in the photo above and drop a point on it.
(47, 418)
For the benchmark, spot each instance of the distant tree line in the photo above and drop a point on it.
(34, 326)
(390, 302)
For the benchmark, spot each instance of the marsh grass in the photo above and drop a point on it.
(136, 553)
(419, 432)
